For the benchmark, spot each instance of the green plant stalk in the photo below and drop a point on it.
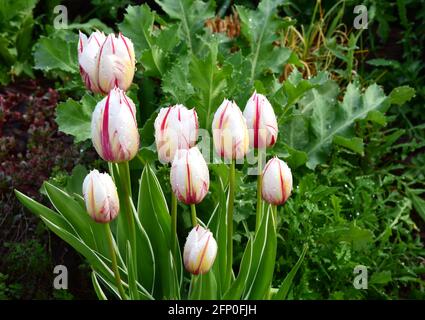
(173, 223)
(310, 28)
(125, 186)
(114, 262)
(274, 212)
(259, 187)
(230, 223)
(193, 215)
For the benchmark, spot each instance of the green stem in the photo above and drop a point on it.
(274, 212)
(173, 223)
(193, 215)
(259, 187)
(307, 38)
(114, 262)
(230, 222)
(125, 192)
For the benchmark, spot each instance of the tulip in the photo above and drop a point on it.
(199, 251)
(114, 127)
(261, 121)
(88, 50)
(100, 196)
(176, 128)
(189, 176)
(116, 63)
(230, 132)
(277, 182)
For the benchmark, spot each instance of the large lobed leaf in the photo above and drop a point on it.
(191, 15)
(74, 117)
(152, 45)
(260, 27)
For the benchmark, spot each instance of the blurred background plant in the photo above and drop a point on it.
(361, 202)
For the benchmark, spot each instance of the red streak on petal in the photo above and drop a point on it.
(256, 121)
(97, 41)
(129, 106)
(164, 121)
(204, 250)
(189, 196)
(81, 45)
(98, 64)
(282, 185)
(112, 43)
(222, 116)
(93, 204)
(273, 141)
(126, 46)
(106, 143)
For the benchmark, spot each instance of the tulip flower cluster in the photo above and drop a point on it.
(107, 65)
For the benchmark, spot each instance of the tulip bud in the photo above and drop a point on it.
(189, 176)
(230, 132)
(100, 196)
(261, 121)
(176, 128)
(114, 128)
(115, 63)
(88, 50)
(199, 251)
(277, 182)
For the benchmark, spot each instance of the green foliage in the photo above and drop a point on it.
(358, 179)
(16, 28)
(75, 118)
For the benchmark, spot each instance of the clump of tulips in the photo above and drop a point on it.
(107, 66)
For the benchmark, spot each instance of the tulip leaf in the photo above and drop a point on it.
(263, 259)
(83, 225)
(236, 290)
(132, 284)
(97, 288)
(287, 282)
(203, 287)
(217, 225)
(74, 117)
(155, 219)
(61, 227)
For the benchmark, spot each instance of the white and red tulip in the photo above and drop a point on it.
(176, 128)
(189, 176)
(116, 63)
(100, 196)
(106, 62)
(230, 132)
(199, 251)
(261, 121)
(88, 50)
(114, 127)
(277, 182)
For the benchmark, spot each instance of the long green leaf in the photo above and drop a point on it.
(155, 218)
(287, 282)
